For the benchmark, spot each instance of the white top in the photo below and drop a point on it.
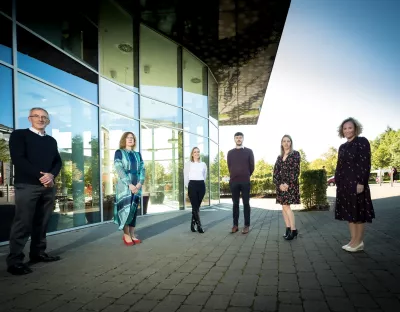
(37, 132)
(196, 171)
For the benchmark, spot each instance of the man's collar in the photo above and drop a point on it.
(37, 132)
(242, 147)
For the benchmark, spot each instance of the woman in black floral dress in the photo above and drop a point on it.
(353, 197)
(286, 180)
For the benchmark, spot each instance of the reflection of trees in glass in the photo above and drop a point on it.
(155, 175)
(4, 151)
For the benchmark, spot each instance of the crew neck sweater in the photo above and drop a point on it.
(240, 164)
(32, 154)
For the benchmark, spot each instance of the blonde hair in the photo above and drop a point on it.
(191, 153)
(291, 144)
(358, 128)
(122, 141)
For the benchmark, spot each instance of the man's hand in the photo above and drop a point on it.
(360, 188)
(49, 184)
(47, 177)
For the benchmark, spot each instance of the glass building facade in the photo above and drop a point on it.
(100, 72)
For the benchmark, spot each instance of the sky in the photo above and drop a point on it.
(336, 59)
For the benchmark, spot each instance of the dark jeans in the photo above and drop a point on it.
(236, 189)
(196, 192)
(34, 205)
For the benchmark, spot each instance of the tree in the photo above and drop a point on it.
(386, 149)
(328, 161)
(4, 151)
(223, 165)
(262, 169)
(304, 164)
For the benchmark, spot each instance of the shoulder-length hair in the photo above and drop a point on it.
(122, 141)
(358, 128)
(291, 144)
(191, 153)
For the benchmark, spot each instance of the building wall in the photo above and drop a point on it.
(98, 75)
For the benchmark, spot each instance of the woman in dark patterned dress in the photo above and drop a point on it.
(353, 197)
(286, 180)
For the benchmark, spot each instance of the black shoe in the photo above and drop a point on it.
(198, 222)
(44, 258)
(192, 224)
(287, 232)
(292, 234)
(19, 269)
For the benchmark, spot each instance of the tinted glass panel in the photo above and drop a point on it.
(160, 113)
(158, 67)
(6, 6)
(74, 124)
(213, 132)
(194, 85)
(213, 99)
(62, 24)
(118, 99)
(190, 141)
(116, 44)
(163, 156)
(112, 128)
(6, 97)
(42, 60)
(5, 39)
(195, 124)
(214, 173)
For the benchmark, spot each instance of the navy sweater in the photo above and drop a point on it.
(31, 154)
(240, 164)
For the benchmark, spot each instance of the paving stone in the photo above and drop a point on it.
(290, 308)
(265, 303)
(197, 298)
(241, 300)
(218, 302)
(315, 306)
(98, 304)
(144, 305)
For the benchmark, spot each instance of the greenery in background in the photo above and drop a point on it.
(386, 149)
(4, 152)
(313, 188)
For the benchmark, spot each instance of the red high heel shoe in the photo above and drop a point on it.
(127, 243)
(136, 241)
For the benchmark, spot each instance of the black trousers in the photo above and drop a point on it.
(196, 192)
(34, 205)
(236, 189)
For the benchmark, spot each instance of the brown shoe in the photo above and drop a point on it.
(245, 230)
(235, 229)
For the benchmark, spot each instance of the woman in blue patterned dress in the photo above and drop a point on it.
(129, 167)
(353, 196)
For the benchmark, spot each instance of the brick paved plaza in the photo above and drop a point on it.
(177, 270)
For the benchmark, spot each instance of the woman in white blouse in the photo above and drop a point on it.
(195, 174)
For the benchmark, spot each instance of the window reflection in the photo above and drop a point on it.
(118, 99)
(213, 99)
(112, 128)
(42, 60)
(6, 97)
(194, 84)
(160, 113)
(116, 44)
(213, 132)
(163, 156)
(78, 185)
(64, 26)
(158, 67)
(5, 39)
(195, 124)
(190, 141)
(214, 173)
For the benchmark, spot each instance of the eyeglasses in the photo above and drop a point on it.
(39, 117)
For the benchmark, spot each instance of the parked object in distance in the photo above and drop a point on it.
(331, 181)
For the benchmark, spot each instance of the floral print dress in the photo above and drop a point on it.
(288, 171)
(353, 167)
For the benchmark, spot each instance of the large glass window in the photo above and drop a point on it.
(194, 84)
(213, 99)
(61, 23)
(112, 128)
(160, 113)
(6, 127)
(214, 173)
(44, 61)
(74, 124)
(158, 67)
(118, 99)
(163, 156)
(5, 39)
(116, 44)
(195, 124)
(213, 132)
(190, 141)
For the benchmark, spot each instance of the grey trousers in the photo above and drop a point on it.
(34, 205)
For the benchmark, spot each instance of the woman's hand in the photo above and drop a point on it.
(360, 188)
(133, 188)
(138, 186)
(283, 187)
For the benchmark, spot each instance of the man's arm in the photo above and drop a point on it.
(229, 161)
(18, 155)
(251, 162)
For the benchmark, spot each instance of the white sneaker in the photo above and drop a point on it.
(355, 249)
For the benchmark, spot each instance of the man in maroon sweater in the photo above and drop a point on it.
(241, 167)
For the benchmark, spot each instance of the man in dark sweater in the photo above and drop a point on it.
(37, 162)
(241, 167)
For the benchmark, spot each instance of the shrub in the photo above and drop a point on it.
(313, 188)
(259, 186)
